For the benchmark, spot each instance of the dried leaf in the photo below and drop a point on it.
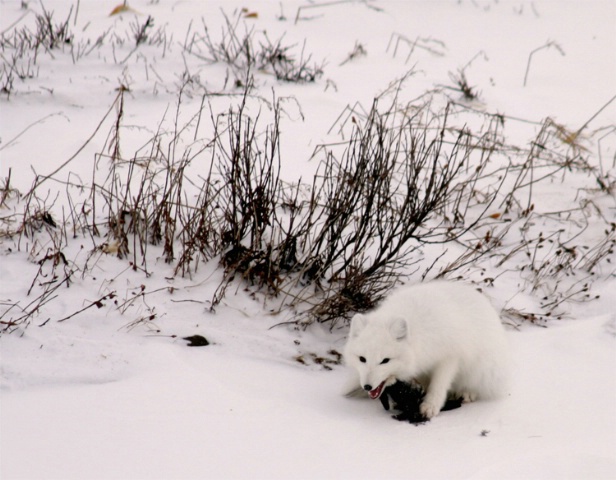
(111, 247)
(120, 9)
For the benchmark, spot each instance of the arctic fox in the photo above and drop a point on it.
(444, 335)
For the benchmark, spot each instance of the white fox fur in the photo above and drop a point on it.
(444, 335)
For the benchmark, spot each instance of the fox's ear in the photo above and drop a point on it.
(398, 328)
(358, 323)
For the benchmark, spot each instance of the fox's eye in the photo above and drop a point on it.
(384, 361)
(362, 359)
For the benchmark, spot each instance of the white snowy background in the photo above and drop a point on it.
(103, 395)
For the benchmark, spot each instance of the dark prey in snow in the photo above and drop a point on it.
(406, 397)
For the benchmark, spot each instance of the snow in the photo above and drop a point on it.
(213, 413)
(102, 395)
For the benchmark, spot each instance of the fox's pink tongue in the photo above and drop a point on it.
(376, 393)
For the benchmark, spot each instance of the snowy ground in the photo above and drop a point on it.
(105, 396)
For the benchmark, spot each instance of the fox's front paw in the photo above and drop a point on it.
(468, 397)
(429, 409)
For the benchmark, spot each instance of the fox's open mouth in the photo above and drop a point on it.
(376, 393)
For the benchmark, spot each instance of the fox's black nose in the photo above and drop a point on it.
(367, 388)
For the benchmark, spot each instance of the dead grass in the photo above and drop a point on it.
(405, 180)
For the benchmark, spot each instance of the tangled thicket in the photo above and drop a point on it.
(407, 177)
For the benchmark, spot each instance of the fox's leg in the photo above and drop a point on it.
(440, 382)
(468, 397)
